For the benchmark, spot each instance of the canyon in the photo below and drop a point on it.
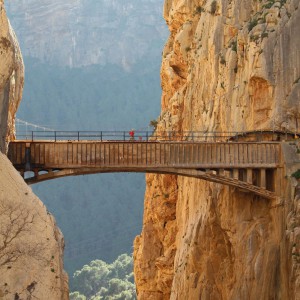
(70, 87)
(227, 66)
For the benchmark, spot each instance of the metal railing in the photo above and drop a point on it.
(198, 136)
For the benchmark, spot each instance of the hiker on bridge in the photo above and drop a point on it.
(131, 134)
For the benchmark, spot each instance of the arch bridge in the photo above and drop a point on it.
(248, 161)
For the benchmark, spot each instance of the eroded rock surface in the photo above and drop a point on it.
(227, 66)
(11, 78)
(31, 245)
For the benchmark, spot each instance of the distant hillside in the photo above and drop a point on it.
(91, 98)
(86, 32)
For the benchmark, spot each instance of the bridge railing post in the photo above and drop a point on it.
(101, 136)
(32, 135)
(124, 136)
(78, 135)
(147, 136)
(55, 136)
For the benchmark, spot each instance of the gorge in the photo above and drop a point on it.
(101, 94)
(227, 66)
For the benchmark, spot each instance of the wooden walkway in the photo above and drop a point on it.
(246, 165)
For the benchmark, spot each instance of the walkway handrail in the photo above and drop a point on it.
(198, 136)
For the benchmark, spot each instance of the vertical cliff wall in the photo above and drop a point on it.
(30, 243)
(11, 78)
(227, 66)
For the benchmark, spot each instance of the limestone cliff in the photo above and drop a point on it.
(11, 78)
(227, 66)
(30, 243)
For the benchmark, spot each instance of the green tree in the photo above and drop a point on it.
(77, 296)
(102, 281)
(153, 123)
(117, 289)
(92, 277)
(122, 266)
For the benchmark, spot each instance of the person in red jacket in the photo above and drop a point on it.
(131, 133)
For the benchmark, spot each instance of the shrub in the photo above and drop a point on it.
(252, 24)
(153, 123)
(254, 38)
(269, 4)
(222, 60)
(199, 9)
(234, 46)
(213, 7)
(296, 174)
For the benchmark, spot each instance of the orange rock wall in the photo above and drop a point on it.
(227, 66)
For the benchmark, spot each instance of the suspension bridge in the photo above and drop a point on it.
(250, 161)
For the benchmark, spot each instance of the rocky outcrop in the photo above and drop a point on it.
(99, 32)
(31, 245)
(11, 78)
(227, 66)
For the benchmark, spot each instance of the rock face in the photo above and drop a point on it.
(11, 78)
(91, 32)
(30, 243)
(227, 66)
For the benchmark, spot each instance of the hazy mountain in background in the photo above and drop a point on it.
(78, 33)
(91, 65)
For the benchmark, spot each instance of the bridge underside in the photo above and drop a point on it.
(257, 181)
